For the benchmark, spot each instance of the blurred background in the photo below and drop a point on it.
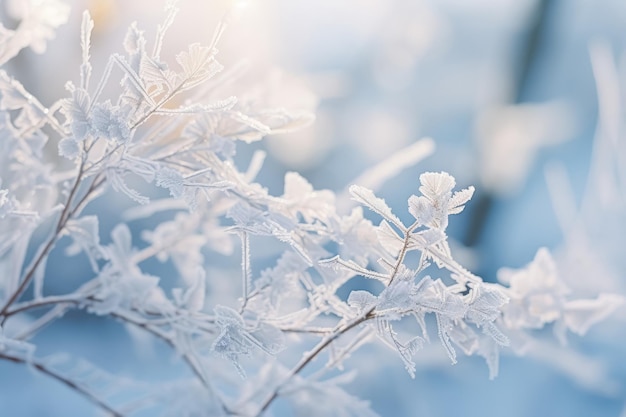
(523, 101)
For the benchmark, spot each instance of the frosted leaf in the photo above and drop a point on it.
(248, 217)
(280, 287)
(377, 205)
(134, 44)
(171, 179)
(421, 209)
(464, 337)
(484, 303)
(456, 204)
(296, 241)
(407, 275)
(301, 198)
(274, 223)
(198, 65)
(361, 300)
(396, 297)
(202, 129)
(437, 202)
(358, 237)
(407, 351)
(134, 41)
(137, 93)
(389, 238)
(156, 74)
(110, 122)
(195, 60)
(541, 273)
(539, 296)
(484, 308)
(435, 297)
(432, 237)
(436, 186)
(252, 130)
(226, 316)
(491, 330)
(444, 327)
(236, 340)
(580, 315)
(76, 111)
(424, 239)
(536, 291)
(296, 186)
(69, 148)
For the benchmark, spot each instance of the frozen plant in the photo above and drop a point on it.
(171, 127)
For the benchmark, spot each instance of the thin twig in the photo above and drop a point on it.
(312, 354)
(63, 218)
(44, 302)
(340, 330)
(84, 391)
(53, 314)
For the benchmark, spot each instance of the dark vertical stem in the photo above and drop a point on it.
(530, 49)
(484, 203)
(480, 213)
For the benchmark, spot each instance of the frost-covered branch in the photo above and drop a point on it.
(162, 135)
